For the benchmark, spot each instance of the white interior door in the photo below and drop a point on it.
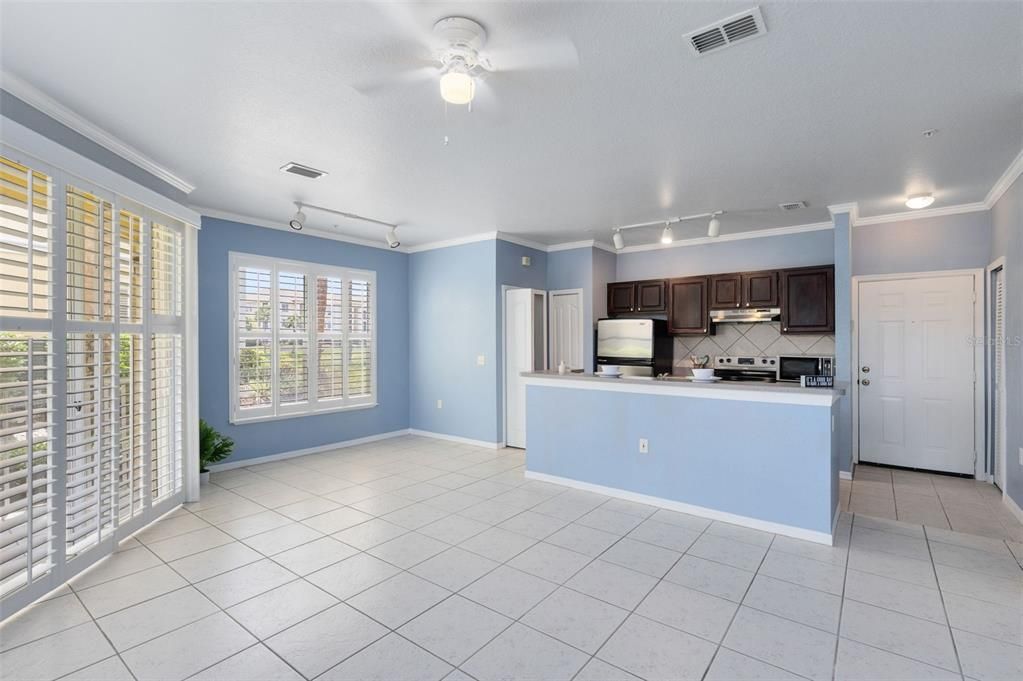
(525, 339)
(917, 372)
(567, 329)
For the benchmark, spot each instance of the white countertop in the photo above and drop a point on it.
(778, 393)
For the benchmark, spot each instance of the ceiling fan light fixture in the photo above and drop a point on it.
(917, 201)
(457, 87)
(618, 240)
(297, 221)
(392, 238)
(714, 227)
(667, 236)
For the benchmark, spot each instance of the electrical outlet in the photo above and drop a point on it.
(644, 446)
(440, 404)
(481, 360)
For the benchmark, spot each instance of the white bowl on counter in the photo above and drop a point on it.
(703, 374)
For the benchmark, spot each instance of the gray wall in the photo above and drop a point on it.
(33, 119)
(1007, 242)
(951, 242)
(789, 250)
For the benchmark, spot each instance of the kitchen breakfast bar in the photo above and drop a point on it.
(758, 455)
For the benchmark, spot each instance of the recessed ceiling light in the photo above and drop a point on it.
(919, 201)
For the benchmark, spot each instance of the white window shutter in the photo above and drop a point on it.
(360, 338)
(26, 217)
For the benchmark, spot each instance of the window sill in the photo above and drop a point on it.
(235, 421)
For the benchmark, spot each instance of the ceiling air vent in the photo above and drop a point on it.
(302, 171)
(792, 205)
(727, 32)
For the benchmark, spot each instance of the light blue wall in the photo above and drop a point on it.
(843, 337)
(1007, 242)
(574, 269)
(950, 242)
(216, 239)
(605, 270)
(452, 320)
(511, 272)
(697, 455)
(789, 250)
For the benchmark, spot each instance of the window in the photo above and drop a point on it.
(91, 374)
(303, 338)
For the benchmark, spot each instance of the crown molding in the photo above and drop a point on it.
(852, 209)
(1005, 181)
(39, 100)
(738, 236)
(588, 243)
(924, 213)
(307, 231)
(458, 241)
(519, 241)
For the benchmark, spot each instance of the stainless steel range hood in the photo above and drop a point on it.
(749, 314)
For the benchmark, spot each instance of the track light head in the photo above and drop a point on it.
(297, 221)
(392, 238)
(618, 240)
(667, 236)
(714, 227)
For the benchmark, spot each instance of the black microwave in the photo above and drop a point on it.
(791, 367)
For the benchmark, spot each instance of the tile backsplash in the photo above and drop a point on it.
(761, 338)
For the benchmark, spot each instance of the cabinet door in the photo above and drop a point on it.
(808, 300)
(687, 306)
(651, 296)
(621, 298)
(725, 291)
(760, 289)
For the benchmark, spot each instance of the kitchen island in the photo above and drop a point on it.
(755, 454)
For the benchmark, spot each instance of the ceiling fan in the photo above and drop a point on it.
(456, 54)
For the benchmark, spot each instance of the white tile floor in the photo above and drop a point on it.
(939, 501)
(419, 559)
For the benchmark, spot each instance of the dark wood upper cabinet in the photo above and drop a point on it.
(635, 297)
(808, 300)
(621, 298)
(760, 289)
(725, 291)
(688, 311)
(651, 296)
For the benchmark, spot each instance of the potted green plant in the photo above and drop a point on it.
(213, 447)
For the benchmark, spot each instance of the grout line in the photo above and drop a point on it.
(944, 609)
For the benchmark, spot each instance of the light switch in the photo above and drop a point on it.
(644, 446)
(440, 404)
(481, 360)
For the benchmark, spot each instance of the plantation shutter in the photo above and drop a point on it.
(360, 369)
(330, 339)
(25, 240)
(27, 513)
(254, 333)
(292, 340)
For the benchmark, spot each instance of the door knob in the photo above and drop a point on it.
(865, 369)
(865, 381)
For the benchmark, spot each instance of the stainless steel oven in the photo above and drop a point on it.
(791, 367)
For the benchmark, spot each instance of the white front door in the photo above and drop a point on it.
(566, 311)
(917, 372)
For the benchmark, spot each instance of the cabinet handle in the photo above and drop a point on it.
(785, 328)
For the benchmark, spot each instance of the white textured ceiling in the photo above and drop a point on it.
(828, 107)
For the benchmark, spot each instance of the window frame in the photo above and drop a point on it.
(314, 404)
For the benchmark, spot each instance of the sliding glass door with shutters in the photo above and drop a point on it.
(91, 374)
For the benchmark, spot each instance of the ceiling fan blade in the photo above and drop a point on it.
(401, 16)
(385, 82)
(553, 54)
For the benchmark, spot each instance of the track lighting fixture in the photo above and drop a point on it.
(618, 239)
(392, 238)
(667, 236)
(714, 227)
(297, 222)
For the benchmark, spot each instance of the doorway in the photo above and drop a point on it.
(917, 367)
(566, 322)
(525, 349)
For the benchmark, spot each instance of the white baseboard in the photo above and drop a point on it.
(765, 525)
(1013, 506)
(455, 438)
(241, 463)
(845, 475)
